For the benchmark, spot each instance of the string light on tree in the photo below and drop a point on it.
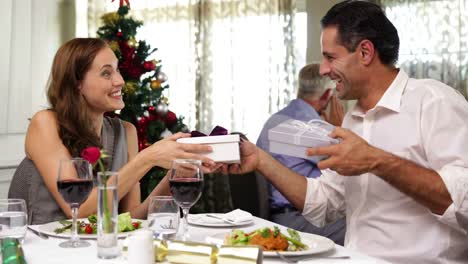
(132, 43)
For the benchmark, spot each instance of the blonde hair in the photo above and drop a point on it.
(311, 84)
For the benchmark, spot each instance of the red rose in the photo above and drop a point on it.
(91, 154)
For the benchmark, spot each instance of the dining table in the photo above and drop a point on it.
(38, 250)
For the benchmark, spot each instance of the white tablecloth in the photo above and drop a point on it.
(47, 251)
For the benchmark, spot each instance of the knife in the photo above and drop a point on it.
(37, 233)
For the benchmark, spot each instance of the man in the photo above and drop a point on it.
(309, 105)
(400, 173)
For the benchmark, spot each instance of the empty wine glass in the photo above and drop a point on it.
(74, 183)
(186, 183)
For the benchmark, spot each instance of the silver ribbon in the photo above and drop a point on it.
(313, 125)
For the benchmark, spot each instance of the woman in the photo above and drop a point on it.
(84, 84)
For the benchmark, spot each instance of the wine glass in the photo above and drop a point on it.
(186, 184)
(74, 183)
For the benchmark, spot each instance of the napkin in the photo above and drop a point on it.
(237, 216)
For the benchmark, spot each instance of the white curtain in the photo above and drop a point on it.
(229, 62)
(433, 39)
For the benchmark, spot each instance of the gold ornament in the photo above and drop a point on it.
(114, 45)
(132, 43)
(165, 100)
(130, 87)
(155, 84)
(110, 19)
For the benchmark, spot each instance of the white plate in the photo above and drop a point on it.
(317, 244)
(49, 228)
(202, 220)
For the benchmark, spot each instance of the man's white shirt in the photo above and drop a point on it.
(426, 122)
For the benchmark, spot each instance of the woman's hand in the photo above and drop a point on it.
(164, 151)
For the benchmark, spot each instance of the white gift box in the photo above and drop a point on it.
(225, 148)
(293, 137)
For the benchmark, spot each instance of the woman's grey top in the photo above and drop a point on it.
(29, 185)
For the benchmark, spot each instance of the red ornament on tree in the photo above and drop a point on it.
(119, 34)
(134, 72)
(149, 66)
(151, 109)
(170, 119)
(142, 123)
(152, 117)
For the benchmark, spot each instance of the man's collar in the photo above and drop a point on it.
(391, 99)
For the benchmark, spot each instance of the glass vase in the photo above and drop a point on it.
(107, 240)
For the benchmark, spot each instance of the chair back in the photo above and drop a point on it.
(249, 192)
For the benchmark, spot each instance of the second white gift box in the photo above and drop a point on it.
(225, 148)
(293, 137)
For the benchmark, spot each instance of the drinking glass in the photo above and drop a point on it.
(186, 184)
(74, 183)
(163, 217)
(13, 218)
(107, 222)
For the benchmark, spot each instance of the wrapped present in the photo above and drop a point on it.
(240, 255)
(225, 147)
(160, 250)
(12, 252)
(191, 253)
(293, 137)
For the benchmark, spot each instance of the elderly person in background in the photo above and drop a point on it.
(311, 102)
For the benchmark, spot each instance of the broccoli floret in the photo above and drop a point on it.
(265, 232)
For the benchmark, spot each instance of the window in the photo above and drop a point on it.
(433, 39)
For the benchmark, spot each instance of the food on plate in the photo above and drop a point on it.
(125, 225)
(270, 239)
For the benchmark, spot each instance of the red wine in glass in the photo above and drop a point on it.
(75, 191)
(186, 184)
(186, 191)
(74, 183)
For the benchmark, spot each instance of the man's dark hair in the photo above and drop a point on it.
(359, 20)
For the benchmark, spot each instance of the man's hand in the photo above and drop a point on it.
(249, 159)
(353, 156)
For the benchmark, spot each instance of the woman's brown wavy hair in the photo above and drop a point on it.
(72, 61)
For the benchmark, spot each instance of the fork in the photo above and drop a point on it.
(296, 260)
(285, 258)
(227, 220)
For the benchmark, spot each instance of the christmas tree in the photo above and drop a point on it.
(145, 105)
